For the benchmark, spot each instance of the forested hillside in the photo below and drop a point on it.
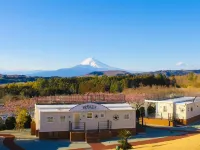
(5, 79)
(190, 80)
(81, 85)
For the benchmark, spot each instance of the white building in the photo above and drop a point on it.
(67, 121)
(183, 110)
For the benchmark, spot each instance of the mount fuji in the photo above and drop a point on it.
(92, 62)
(87, 66)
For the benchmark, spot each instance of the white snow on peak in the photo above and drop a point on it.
(94, 63)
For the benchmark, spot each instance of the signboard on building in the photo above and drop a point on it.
(88, 107)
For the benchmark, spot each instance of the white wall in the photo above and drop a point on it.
(195, 112)
(187, 113)
(181, 111)
(57, 125)
(36, 118)
(160, 109)
(123, 123)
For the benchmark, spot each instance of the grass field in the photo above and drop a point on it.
(188, 143)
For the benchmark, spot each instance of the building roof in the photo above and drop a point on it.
(67, 108)
(197, 100)
(174, 100)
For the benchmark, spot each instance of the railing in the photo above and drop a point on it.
(168, 116)
(155, 115)
(77, 126)
(81, 126)
(69, 99)
(104, 125)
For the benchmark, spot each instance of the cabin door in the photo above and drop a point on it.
(77, 120)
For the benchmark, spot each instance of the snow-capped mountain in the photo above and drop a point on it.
(95, 63)
(85, 67)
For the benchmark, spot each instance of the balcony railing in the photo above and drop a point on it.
(168, 116)
(104, 125)
(81, 126)
(77, 126)
(155, 115)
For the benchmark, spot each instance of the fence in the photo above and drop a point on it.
(111, 98)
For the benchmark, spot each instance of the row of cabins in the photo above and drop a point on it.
(182, 110)
(93, 121)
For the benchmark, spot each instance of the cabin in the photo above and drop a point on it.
(172, 112)
(83, 122)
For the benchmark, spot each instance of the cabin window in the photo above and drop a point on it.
(126, 116)
(89, 115)
(116, 117)
(96, 116)
(164, 108)
(191, 109)
(49, 119)
(102, 115)
(62, 118)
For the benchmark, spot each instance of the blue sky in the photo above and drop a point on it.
(129, 34)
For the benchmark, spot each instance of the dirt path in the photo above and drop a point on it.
(9, 142)
(99, 146)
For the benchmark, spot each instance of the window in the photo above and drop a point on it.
(126, 116)
(49, 119)
(89, 115)
(191, 109)
(164, 108)
(102, 115)
(62, 118)
(116, 117)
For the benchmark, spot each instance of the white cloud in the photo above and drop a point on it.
(181, 64)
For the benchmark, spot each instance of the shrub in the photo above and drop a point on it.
(1, 121)
(124, 135)
(21, 118)
(10, 123)
(27, 124)
(2, 126)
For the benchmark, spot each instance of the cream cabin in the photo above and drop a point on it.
(170, 112)
(80, 122)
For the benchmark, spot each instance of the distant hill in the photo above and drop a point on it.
(5, 79)
(85, 67)
(173, 72)
(88, 67)
(109, 73)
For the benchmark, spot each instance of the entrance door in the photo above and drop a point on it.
(77, 120)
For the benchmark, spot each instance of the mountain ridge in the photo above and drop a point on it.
(91, 67)
(85, 67)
